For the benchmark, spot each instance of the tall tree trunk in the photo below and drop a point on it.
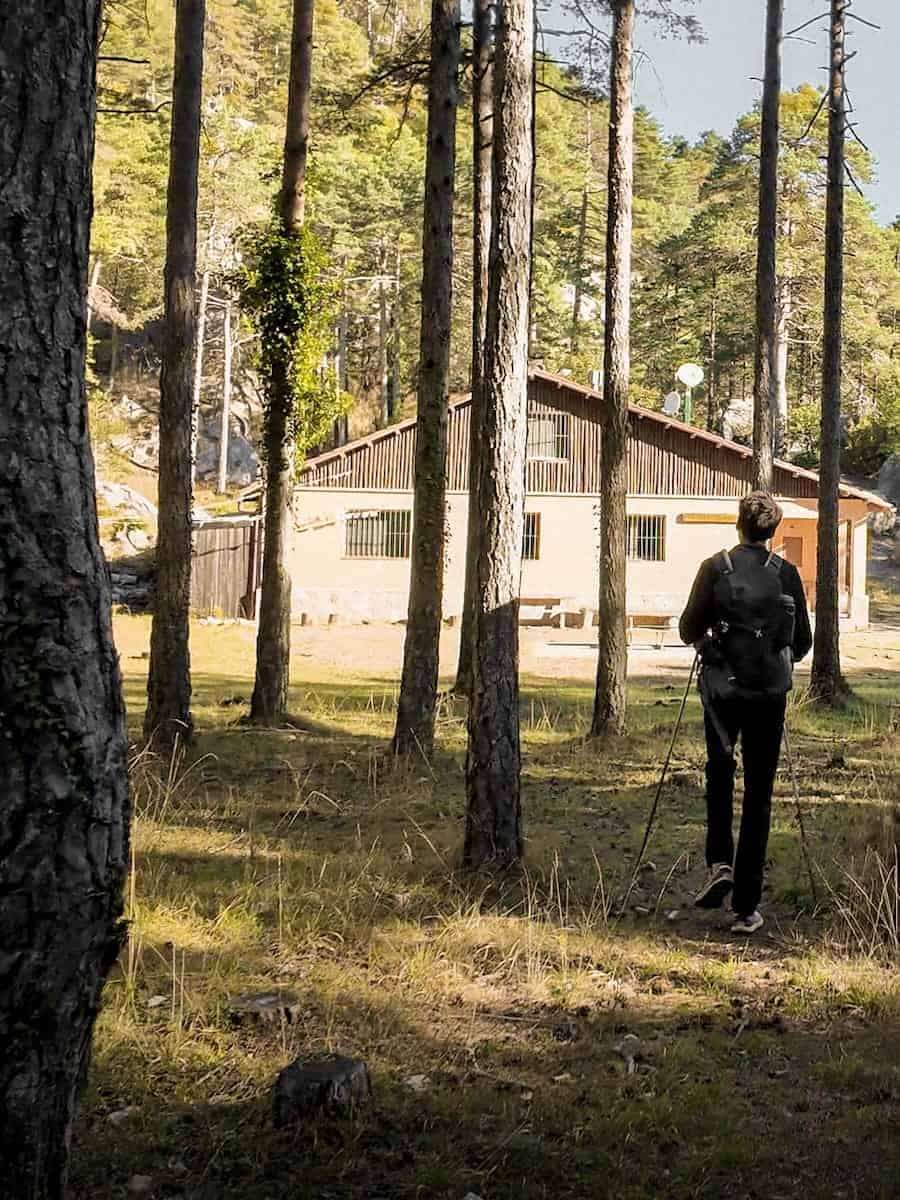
(394, 345)
(712, 386)
(268, 705)
(383, 396)
(168, 715)
(827, 682)
(418, 684)
(65, 806)
(765, 368)
(198, 371)
(782, 328)
(582, 230)
(482, 148)
(343, 382)
(612, 660)
(226, 401)
(493, 768)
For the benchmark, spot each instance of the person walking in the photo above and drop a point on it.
(748, 618)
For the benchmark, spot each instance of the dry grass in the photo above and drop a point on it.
(309, 860)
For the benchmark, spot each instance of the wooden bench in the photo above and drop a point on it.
(655, 613)
(657, 623)
(543, 610)
(649, 615)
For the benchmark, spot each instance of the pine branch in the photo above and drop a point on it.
(134, 112)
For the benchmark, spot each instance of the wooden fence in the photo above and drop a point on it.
(227, 566)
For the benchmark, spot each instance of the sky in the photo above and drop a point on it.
(691, 88)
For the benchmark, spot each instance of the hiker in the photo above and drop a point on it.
(748, 619)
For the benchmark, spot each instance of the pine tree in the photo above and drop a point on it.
(765, 372)
(65, 804)
(421, 650)
(493, 817)
(268, 705)
(168, 715)
(609, 701)
(766, 353)
(827, 682)
(482, 138)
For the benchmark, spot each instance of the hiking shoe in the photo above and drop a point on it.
(718, 884)
(748, 924)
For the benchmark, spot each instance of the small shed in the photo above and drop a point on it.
(226, 565)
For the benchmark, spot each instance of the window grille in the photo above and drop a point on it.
(548, 435)
(531, 536)
(383, 534)
(647, 538)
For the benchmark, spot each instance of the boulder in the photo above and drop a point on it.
(334, 1085)
(889, 479)
(243, 461)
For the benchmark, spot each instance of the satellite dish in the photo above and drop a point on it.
(690, 375)
(672, 404)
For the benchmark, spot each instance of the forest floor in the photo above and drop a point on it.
(492, 1016)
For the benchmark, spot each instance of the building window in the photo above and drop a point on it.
(646, 538)
(531, 536)
(383, 534)
(548, 435)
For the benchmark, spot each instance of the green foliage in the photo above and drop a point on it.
(288, 296)
(695, 212)
(104, 423)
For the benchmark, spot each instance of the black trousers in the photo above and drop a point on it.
(760, 725)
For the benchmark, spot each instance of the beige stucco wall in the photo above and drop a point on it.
(329, 586)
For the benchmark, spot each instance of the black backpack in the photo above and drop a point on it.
(749, 653)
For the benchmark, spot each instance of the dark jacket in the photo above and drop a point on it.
(700, 615)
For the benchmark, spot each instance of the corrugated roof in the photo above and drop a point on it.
(641, 414)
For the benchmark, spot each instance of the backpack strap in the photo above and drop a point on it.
(729, 565)
(775, 562)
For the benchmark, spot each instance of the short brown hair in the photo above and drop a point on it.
(759, 516)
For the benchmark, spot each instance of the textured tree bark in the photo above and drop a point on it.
(418, 684)
(827, 681)
(612, 659)
(493, 816)
(765, 364)
(168, 715)
(65, 808)
(268, 705)
(482, 147)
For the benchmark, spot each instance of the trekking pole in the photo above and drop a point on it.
(662, 780)
(803, 842)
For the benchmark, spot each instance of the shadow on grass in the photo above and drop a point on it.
(527, 1104)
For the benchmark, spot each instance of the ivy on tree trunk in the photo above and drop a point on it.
(65, 804)
(268, 705)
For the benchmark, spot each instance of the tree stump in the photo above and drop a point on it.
(266, 1007)
(335, 1085)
